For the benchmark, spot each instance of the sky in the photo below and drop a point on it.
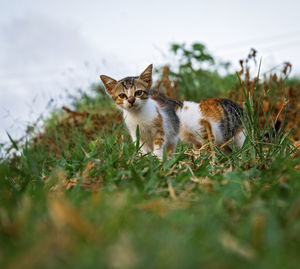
(51, 48)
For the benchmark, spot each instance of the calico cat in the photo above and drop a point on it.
(152, 111)
(162, 120)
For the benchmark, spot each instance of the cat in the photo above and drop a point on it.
(153, 112)
(163, 120)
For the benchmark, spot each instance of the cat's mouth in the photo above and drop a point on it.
(134, 106)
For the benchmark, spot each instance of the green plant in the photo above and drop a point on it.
(198, 73)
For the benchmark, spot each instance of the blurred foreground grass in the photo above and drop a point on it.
(80, 195)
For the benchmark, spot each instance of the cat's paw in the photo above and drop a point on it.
(144, 150)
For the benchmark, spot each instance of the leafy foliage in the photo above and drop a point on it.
(198, 73)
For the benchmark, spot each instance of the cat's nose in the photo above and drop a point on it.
(131, 100)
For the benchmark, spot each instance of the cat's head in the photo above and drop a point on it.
(129, 93)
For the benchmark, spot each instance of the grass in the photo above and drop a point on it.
(80, 195)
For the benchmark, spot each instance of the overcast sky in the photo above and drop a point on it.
(50, 46)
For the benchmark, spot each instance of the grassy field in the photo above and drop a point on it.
(80, 195)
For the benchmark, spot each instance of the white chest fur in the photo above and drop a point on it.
(143, 118)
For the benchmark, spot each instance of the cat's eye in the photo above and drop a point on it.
(138, 93)
(122, 95)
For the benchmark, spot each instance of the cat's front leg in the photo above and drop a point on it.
(158, 135)
(133, 136)
(144, 147)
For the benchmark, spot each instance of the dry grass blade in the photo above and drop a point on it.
(166, 85)
(232, 244)
(172, 191)
(64, 214)
(162, 206)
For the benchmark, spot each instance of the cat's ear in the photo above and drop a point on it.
(109, 83)
(146, 76)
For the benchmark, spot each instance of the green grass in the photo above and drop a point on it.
(125, 210)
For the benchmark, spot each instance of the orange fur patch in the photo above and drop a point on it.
(119, 101)
(206, 131)
(160, 132)
(158, 141)
(176, 107)
(211, 109)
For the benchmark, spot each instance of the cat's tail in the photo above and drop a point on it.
(165, 99)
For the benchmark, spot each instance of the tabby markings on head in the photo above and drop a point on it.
(152, 111)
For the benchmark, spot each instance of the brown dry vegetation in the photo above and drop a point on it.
(282, 104)
(86, 123)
